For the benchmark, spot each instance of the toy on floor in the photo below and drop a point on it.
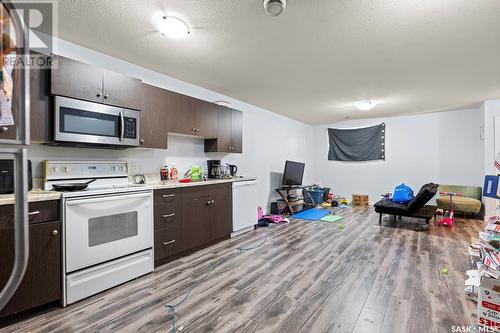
(448, 221)
(264, 220)
(343, 201)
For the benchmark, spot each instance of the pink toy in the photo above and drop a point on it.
(450, 220)
(270, 218)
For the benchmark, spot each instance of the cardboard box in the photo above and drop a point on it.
(488, 305)
(359, 200)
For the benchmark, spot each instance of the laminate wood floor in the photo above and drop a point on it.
(307, 277)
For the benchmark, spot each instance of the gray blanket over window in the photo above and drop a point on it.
(357, 144)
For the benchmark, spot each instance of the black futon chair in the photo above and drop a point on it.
(415, 208)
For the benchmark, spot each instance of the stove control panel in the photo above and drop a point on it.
(54, 170)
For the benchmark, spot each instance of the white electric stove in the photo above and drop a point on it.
(107, 228)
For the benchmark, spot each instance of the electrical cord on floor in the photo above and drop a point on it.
(212, 268)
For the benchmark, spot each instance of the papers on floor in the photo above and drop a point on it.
(483, 282)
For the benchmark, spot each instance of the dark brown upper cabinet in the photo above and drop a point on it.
(75, 79)
(191, 116)
(40, 104)
(206, 119)
(122, 90)
(153, 121)
(236, 131)
(230, 132)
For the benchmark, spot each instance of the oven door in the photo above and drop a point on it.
(102, 228)
(93, 123)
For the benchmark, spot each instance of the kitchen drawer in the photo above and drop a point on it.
(40, 211)
(167, 219)
(167, 243)
(167, 201)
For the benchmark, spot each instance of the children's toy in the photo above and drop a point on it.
(343, 201)
(264, 220)
(387, 196)
(449, 220)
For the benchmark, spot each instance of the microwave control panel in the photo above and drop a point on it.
(130, 130)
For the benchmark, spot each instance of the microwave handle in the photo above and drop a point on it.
(122, 126)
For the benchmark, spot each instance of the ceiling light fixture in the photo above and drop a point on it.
(366, 105)
(172, 27)
(274, 7)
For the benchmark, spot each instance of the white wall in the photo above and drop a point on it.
(268, 138)
(440, 147)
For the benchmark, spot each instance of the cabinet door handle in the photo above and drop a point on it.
(141, 141)
(106, 96)
(99, 94)
(169, 242)
(169, 195)
(168, 215)
(209, 202)
(55, 232)
(36, 212)
(193, 129)
(4, 129)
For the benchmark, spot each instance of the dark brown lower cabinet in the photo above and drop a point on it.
(221, 222)
(191, 218)
(41, 283)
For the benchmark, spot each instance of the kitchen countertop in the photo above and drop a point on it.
(33, 196)
(40, 195)
(176, 184)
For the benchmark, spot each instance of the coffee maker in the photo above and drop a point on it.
(215, 169)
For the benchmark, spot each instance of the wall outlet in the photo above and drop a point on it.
(135, 167)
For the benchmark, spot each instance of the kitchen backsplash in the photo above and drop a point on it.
(183, 151)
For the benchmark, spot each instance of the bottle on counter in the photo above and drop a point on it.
(174, 174)
(164, 173)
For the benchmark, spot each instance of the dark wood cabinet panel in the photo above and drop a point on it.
(236, 131)
(167, 243)
(42, 211)
(229, 134)
(168, 209)
(190, 218)
(153, 119)
(206, 119)
(40, 104)
(221, 224)
(75, 79)
(41, 283)
(122, 90)
(196, 217)
(180, 109)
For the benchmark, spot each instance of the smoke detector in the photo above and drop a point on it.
(274, 7)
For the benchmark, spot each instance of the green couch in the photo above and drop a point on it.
(469, 202)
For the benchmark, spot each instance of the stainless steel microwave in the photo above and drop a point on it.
(91, 123)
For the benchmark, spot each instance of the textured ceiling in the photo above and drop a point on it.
(316, 59)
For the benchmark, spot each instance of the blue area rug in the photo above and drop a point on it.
(313, 214)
